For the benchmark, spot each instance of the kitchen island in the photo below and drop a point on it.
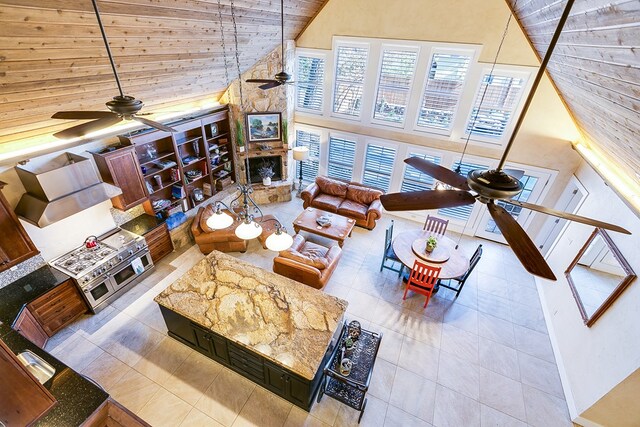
(275, 331)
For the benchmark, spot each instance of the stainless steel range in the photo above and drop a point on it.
(114, 263)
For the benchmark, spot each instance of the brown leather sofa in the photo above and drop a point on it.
(351, 199)
(224, 240)
(307, 262)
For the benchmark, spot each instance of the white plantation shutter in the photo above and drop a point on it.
(461, 213)
(310, 80)
(394, 82)
(442, 91)
(499, 103)
(309, 166)
(414, 180)
(378, 166)
(351, 65)
(342, 154)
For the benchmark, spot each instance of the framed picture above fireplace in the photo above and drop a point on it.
(264, 126)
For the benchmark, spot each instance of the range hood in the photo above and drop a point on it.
(60, 187)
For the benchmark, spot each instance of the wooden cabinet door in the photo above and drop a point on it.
(58, 307)
(15, 244)
(297, 391)
(121, 168)
(28, 327)
(275, 379)
(211, 345)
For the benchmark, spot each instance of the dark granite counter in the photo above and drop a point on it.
(26, 289)
(77, 397)
(142, 224)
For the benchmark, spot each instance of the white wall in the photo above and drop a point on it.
(594, 361)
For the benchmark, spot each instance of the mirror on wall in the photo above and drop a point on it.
(598, 275)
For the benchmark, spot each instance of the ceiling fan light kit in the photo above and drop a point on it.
(282, 77)
(492, 186)
(121, 107)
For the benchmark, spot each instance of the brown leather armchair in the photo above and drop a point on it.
(351, 199)
(220, 240)
(307, 262)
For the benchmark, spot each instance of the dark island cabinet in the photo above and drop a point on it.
(281, 381)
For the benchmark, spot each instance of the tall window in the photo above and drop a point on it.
(461, 213)
(378, 166)
(310, 80)
(351, 65)
(342, 154)
(414, 180)
(442, 90)
(528, 184)
(491, 119)
(394, 84)
(310, 166)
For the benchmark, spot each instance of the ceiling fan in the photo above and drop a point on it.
(492, 186)
(282, 77)
(122, 107)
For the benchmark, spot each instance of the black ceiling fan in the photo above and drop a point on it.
(282, 77)
(122, 107)
(491, 186)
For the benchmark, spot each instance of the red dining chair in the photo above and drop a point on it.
(422, 280)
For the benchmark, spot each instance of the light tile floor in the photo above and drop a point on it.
(483, 359)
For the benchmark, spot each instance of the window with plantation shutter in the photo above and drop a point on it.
(378, 166)
(342, 154)
(414, 180)
(461, 213)
(309, 83)
(394, 84)
(442, 91)
(309, 166)
(491, 119)
(351, 65)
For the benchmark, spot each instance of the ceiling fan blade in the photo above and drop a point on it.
(260, 81)
(516, 173)
(438, 172)
(270, 85)
(82, 115)
(520, 242)
(153, 124)
(566, 215)
(89, 127)
(428, 199)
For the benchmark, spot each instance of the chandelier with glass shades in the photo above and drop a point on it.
(246, 211)
(249, 228)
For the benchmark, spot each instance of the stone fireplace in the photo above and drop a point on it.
(280, 188)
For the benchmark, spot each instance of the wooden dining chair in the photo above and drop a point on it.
(389, 254)
(422, 280)
(448, 283)
(436, 225)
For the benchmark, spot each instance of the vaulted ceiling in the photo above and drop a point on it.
(52, 57)
(596, 68)
(169, 51)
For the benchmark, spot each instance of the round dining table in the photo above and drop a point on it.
(455, 266)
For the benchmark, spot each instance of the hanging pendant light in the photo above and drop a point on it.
(249, 229)
(219, 220)
(279, 241)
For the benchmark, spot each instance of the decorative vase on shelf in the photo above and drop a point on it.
(266, 182)
(430, 248)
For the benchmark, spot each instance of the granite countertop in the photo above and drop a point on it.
(142, 224)
(24, 290)
(77, 397)
(284, 321)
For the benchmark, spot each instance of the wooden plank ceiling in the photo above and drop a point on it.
(596, 68)
(167, 51)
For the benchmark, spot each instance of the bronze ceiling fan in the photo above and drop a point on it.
(490, 186)
(282, 77)
(122, 107)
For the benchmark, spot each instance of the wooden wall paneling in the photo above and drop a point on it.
(596, 69)
(52, 57)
